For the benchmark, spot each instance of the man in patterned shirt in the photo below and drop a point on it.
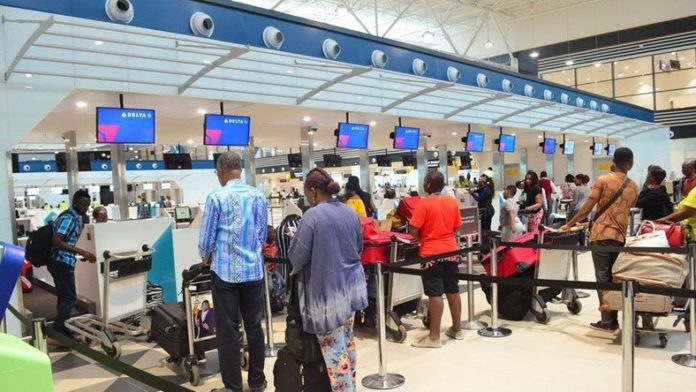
(610, 224)
(66, 230)
(235, 222)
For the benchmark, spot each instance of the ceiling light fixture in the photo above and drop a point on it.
(190, 141)
(569, 62)
(534, 54)
(306, 119)
(373, 123)
(289, 72)
(454, 133)
(620, 74)
(202, 111)
(81, 104)
(488, 44)
(207, 62)
(598, 64)
(28, 75)
(99, 43)
(540, 137)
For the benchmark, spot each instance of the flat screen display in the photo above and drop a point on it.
(568, 147)
(597, 149)
(474, 141)
(295, 160)
(384, 161)
(406, 138)
(549, 146)
(224, 130)
(121, 125)
(611, 149)
(352, 135)
(177, 161)
(182, 214)
(507, 143)
(332, 160)
(409, 160)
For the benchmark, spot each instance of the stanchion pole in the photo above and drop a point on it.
(382, 380)
(494, 331)
(581, 294)
(689, 360)
(39, 329)
(471, 323)
(271, 350)
(628, 335)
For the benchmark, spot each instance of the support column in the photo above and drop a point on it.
(523, 163)
(498, 170)
(73, 171)
(307, 149)
(249, 163)
(118, 178)
(422, 160)
(571, 164)
(442, 156)
(365, 182)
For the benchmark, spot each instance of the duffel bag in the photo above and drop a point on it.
(651, 268)
(673, 231)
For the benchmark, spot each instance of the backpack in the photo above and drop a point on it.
(40, 245)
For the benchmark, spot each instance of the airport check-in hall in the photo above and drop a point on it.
(292, 195)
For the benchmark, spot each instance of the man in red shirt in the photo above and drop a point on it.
(689, 181)
(546, 184)
(435, 223)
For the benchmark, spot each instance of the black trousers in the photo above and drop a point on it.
(229, 300)
(64, 281)
(603, 262)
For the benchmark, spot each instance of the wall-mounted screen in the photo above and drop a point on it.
(352, 135)
(406, 138)
(474, 141)
(176, 161)
(121, 125)
(507, 143)
(597, 149)
(568, 147)
(611, 149)
(224, 130)
(383, 161)
(295, 160)
(409, 160)
(332, 160)
(549, 146)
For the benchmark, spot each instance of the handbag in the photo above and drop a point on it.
(610, 203)
(673, 231)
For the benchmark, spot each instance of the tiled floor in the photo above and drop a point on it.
(563, 355)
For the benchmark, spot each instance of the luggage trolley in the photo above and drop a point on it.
(402, 289)
(555, 264)
(126, 283)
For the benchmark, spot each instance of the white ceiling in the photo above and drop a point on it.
(276, 126)
(452, 25)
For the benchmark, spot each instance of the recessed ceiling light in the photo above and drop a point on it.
(570, 62)
(598, 64)
(207, 62)
(130, 148)
(488, 44)
(28, 75)
(33, 158)
(99, 43)
(540, 137)
(81, 104)
(514, 134)
(315, 144)
(373, 123)
(681, 58)
(620, 74)
(625, 66)
(635, 72)
(585, 141)
(534, 54)
(358, 97)
(28, 87)
(88, 145)
(306, 119)
(289, 72)
(202, 111)
(674, 53)
(190, 141)
(588, 79)
(454, 133)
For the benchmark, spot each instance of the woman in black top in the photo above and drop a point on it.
(532, 202)
(653, 199)
(484, 197)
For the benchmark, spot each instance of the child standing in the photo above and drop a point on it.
(510, 225)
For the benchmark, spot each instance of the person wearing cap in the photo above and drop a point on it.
(614, 194)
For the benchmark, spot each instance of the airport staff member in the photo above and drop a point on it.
(67, 228)
(235, 222)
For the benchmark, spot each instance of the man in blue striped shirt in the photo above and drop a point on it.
(66, 231)
(234, 228)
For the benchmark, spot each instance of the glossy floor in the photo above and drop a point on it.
(564, 355)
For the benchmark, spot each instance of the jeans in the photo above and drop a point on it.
(603, 262)
(64, 282)
(229, 300)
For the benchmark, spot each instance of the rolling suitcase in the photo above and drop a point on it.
(512, 261)
(168, 329)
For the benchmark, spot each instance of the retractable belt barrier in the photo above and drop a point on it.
(111, 363)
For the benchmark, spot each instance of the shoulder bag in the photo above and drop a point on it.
(605, 208)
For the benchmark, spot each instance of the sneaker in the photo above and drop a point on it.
(259, 388)
(456, 335)
(425, 342)
(604, 326)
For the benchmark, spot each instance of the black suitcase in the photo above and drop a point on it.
(290, 375)
(168, 330)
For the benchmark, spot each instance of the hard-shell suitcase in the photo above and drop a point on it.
(514, 260)
(290, 375)
(376, 244)
(168, 330)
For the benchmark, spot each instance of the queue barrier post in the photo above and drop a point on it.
(628, 335)
(494, 331)
(581, 294)
(271, 349)
(689, 360)
(39, 332)
(471, 324)
(382, 380)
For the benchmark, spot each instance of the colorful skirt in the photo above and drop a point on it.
(338, 350)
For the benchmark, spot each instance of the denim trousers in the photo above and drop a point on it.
(64, 281)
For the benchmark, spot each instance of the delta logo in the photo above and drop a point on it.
(135, 115)
(236, 121)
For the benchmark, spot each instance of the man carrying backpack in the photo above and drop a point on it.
(66, 230)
